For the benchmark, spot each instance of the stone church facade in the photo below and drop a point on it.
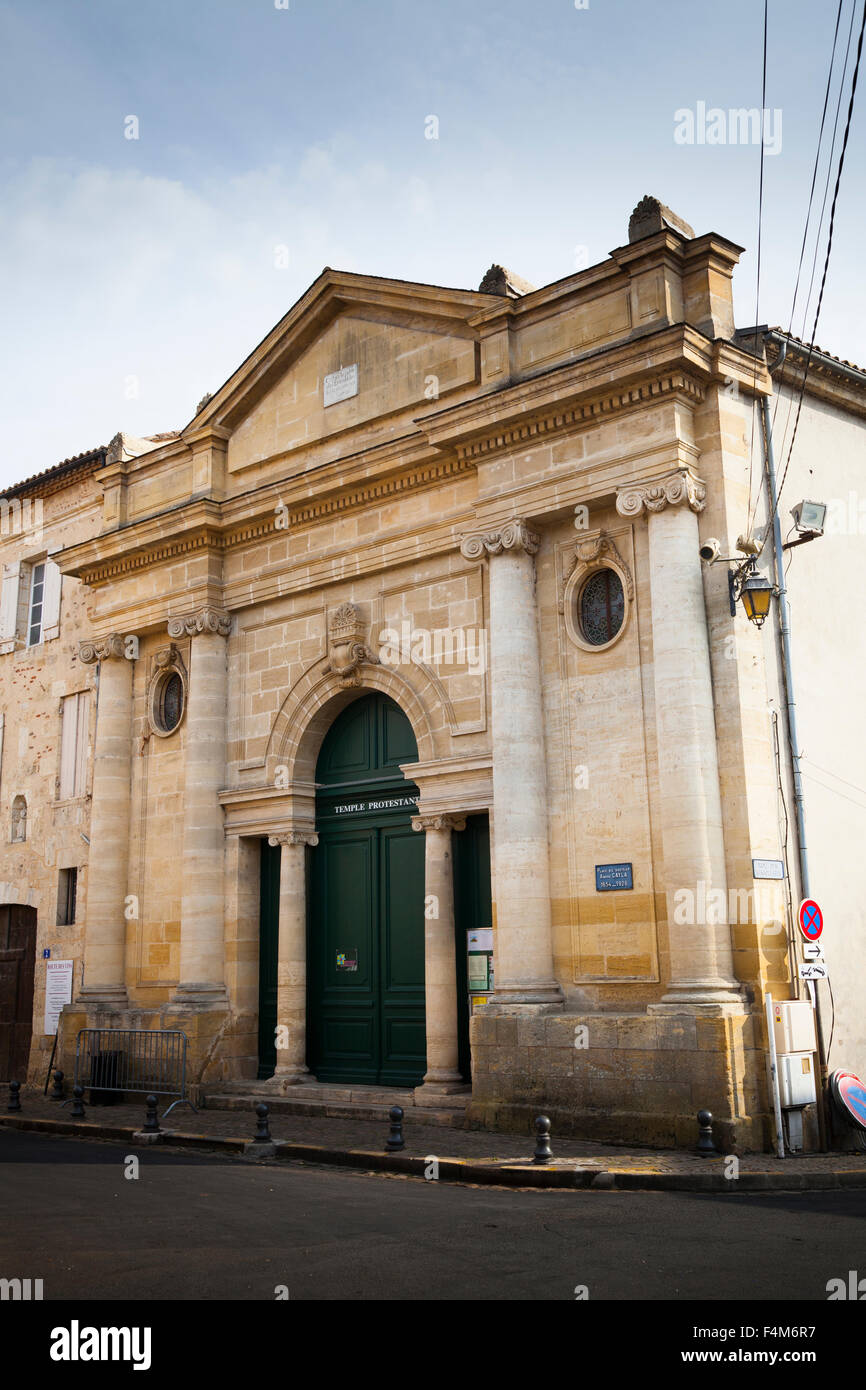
(426, 567)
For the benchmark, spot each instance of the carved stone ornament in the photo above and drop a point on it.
(114, 452)
(515, 535)
(167, 662)
(651, 216)
(294, 837)
(347, 649)
(443, 820)
(681, 486)
(593, 553)
(205, 620)
(103, 649)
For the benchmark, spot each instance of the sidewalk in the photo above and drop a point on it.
(469, 1156)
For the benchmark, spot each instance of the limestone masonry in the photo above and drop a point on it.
(486, 506)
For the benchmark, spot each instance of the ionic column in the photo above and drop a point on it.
(440, 959)
(291, 1066)
(524, 944)
(202, 929)
(108, 860)
(701, 964)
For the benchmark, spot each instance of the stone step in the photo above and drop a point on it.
(301, 1103)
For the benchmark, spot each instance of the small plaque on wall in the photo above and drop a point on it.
(341, 385)
(768, 868)
(613, 878)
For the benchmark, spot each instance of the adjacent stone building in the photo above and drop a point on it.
(405, 642)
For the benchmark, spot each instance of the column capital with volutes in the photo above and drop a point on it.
(440, 820)
(294, 837)
(654, 495)
(115, 646)
(212, 620)
(514, 535)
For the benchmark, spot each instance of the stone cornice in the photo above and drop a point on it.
(554, 421)
(208, 525)
(681, 486)
(376, 489)
(674, 361)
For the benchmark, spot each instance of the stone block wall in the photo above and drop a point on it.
(622, 1078)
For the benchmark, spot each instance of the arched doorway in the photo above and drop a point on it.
(365, 1004)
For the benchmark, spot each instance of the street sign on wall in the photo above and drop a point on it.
(811, 919)
(813, 970)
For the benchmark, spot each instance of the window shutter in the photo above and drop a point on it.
(51, 602)
(82, 732)
(9, 606)
(68, 747)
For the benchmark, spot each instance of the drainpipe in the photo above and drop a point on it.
(793, 738)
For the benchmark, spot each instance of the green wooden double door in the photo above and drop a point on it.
(366, 1020)
(365, 896)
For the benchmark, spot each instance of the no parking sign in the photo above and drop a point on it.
(811, 919)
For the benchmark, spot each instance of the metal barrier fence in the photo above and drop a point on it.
(111, 1061)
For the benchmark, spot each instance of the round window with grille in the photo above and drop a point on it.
(601, 608)
(169, 703)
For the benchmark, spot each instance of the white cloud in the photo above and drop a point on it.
(122, 274)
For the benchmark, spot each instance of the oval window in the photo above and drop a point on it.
(601, 607)
(171, 703)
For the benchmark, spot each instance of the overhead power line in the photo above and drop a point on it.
(827, 256)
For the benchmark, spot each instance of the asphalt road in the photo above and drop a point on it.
(206, 1227)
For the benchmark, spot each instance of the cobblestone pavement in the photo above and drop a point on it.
(434, 1140)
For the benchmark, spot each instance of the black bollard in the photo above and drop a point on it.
(151, 1119)
(14, 1095)
(705, 1134)
(57, 1092)
(263, 1133)
(77, 1111)
(543, 1152)
(395, 1140)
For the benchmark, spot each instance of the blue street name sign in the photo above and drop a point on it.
(611, 878)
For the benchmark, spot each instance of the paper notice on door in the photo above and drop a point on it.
(478, 972)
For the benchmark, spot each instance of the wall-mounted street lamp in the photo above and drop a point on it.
(753, 591)
(745, 582)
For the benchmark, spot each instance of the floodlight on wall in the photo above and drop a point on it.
(809, 517)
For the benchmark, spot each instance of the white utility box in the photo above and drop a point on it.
(794, 1026)
(796, 1079)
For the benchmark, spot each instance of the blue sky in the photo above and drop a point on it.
(137, 274)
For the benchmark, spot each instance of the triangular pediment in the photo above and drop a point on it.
(354, 349)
